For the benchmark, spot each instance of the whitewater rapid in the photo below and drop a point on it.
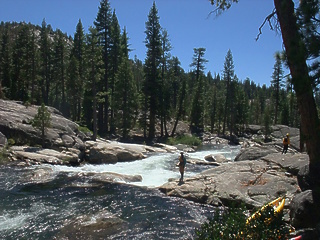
(50, 209)
(155, 170)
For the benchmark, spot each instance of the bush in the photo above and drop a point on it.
(231, 224)
(11, 142)
(42, 120)
(84, 129)
(185, 139)
(3, 156)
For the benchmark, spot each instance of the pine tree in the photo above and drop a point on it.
(33, 51)
(45, 57)
(152, 67)
(213, 100)
(22, 60)
(181, 101)
(308, 21)
(175, 73)
(95, 67)
(284, 118)
(277, 85)
(78, 52)
(126, 94)
(228, 77)
(59, 72)
(164, 88)
(73, 88)
(42, 120)
(103, 26)
(115, 57)
(198, 61)
(241, 108)
(220, 107)
(197, 108)
(138, 73)
(5, 64)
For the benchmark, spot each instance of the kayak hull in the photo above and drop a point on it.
(277, 204)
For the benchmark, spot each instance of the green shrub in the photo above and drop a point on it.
(231, 224)
(185, 139)
(42, 121)
(84, 129)
(11, 142)
(3, 156)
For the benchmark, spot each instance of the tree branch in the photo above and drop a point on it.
(267, 19)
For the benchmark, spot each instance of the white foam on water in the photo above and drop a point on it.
(10, 221)
(155, 170)
(225, 150)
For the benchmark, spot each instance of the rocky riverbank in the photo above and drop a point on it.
(259, 174)
(65, 143)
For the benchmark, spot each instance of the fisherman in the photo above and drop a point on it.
(182, 165)
(286, 143)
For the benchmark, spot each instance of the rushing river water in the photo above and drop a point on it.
(66, 204)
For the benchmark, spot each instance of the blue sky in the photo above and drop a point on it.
(188, 23)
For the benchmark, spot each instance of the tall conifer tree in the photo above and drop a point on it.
(44, 63)
(95, 69)
(78, 52)
(164, 86)
(228, 76)
(197, 108)
(5, 63)
(34, 60)
(115, 55)
(103, 26)
(72, 87)
(277, 84)
(59, 72)
(126, 93)
(152, 67)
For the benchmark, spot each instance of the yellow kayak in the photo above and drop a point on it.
(277, 204)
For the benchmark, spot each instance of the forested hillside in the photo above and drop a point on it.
(91, 79)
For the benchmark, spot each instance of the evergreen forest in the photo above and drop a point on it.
(90, 78)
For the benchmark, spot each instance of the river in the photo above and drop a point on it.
(52, 209)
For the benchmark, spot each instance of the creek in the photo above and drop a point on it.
(71, 197)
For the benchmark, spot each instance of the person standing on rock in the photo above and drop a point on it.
(286, 143)
(182, 165)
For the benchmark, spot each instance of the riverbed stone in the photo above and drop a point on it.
(254, 153)
(196, 161)
(109, 177)
(251, 182)
(35, 155)
(290, 162)
(304, 211)
(40, 175)
(253, 129)
(98, 225)
(218, 158)
(105, 152)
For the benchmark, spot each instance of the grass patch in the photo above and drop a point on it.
(185, 139)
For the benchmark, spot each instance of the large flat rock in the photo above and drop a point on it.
(251, 182)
